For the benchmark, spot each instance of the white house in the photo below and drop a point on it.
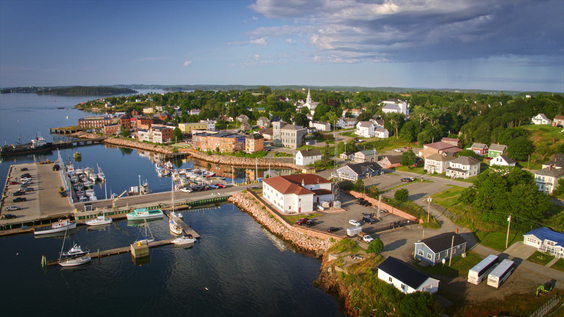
(546, 240)
(406, 278)
(320, 126)
(463, 167)
(366, 156)
(296, 193)
(195, 112)
(306, 157)
(541, 119)
(547, 178)
(437, 163)
(395, 106)
(346, 123)
(381, 133)
(365, 129)
(502, 160)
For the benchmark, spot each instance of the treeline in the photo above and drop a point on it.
(86, 91)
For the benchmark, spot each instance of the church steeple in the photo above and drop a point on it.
(308, 99)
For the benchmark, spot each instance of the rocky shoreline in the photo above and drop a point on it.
(240, 161)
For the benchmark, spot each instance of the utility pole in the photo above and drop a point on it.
(451, 247)
(508, 225)
(429, 209)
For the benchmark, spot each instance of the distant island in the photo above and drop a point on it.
(71, 91)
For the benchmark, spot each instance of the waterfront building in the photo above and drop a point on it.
(308, 156)
(546, 240)
(296, 193)
(187, 128)
(144, 123)
(254, 143)
(354, 172)
(406, 278)
(223, 142)
(95, 123)
(156, 134)
(434, 249)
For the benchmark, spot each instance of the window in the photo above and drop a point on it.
(429, 256)
(403, 286)
(420, 252)
(390, 279)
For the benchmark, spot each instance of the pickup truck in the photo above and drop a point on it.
(365, 237)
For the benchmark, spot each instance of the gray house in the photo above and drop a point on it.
(354, 172)
(437, 248)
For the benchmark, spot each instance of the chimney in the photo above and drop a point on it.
(456, 230)
(303, 182)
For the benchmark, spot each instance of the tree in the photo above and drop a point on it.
(401, 195)
(407, 158)
(419, 304)
(359, 186)
(468, 153)
(364, 116)
(520, 148)
(177, 135)
(301, 119)
(125, 133)
(373, 191)
(375, 246)
(409, 131)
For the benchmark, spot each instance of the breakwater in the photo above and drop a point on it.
(315, 242)
(240, 161)
(163, 149)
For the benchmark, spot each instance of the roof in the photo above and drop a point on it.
(498, 147)
(360, 168)
(552, 172)
(292, 127)
(364, 124)
(266, 131)
(442, 241)
(506, 159)
(445, 139)
(544, 233)
(255, 136)
(380, 130)
(465, 160)
(292, 184)
(403, 272)
(478, 145)
(440, 157)
(541, 115)
(559, 118)
(310, 152)
(367, 152)
(440, 145)
(393, 158)
(390, 106)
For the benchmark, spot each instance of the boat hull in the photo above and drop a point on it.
(75, 261)
(183, 241)
(98, 222)
(142, 214)
(48, 230)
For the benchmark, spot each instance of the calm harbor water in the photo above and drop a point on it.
(236, 269)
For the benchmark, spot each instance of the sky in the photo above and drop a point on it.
(438, 44)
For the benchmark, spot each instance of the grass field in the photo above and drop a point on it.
(545, 131)
(559, 265)
(459, 268)
(449, 197)
(293, 219)
(540, 258)
(418, 169)
(496, 240)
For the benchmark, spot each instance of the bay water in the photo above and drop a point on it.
(236, 269)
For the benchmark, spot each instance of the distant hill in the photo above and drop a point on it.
(72, 91)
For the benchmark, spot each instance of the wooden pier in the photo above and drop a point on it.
(101, 254)
(187, 230)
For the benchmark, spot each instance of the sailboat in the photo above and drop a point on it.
(174, 227)
(177, 214)
(146, 239)
(184, 240)
(73, 261)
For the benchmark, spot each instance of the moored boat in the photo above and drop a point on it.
(74, 261)
(75, 251)
(174, 227)
(144, 213)
(100, 220)
(58, 226)
(183, 240)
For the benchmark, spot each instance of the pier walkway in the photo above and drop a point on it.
(101, 254)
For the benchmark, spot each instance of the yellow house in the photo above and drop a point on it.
(188, 127)
(148, 110)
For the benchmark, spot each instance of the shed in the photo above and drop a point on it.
(406, 278)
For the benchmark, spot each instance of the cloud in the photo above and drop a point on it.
(186, 63)
(418, 30)
(260, 41)
(290, 41)
(151, 58)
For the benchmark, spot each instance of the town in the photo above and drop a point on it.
(420, 186)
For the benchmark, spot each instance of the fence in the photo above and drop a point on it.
(547, 306)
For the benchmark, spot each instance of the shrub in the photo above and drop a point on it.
(375, 246)
(373, 191)
(401, 195)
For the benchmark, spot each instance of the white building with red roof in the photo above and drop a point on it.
(296, 193)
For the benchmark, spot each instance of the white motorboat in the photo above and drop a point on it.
(101, 175)
(144, 213)
(174, 227)
(183, 240)
(75, 251)
(100, 220)
(75, 261)
(61, 225)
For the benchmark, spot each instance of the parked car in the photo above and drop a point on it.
(19, 193)
(397, 150)
(28, 189)
(63, 194)
(311, 222)
(355, 223)
(23, 169)
(12, 208)
(26, 175)
(369, 220)
(220, 185)
(364, 202)
(302, 221)
(408, 179)
(407, 147)
(367, 238)
(333, 229)
(186, 190)
(213, 186)
(9, 216)
(19, 199)
(356, 257)
(13, 183)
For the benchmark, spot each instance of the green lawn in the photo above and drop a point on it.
(449, 197)
(294, 218)
(559, 265)
(548, 131)
(540, 258)
(459, 268)
(418, 169)
(496, 240)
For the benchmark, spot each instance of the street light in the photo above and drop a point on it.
(429, 199)
(508, 225)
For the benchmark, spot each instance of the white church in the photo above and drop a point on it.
(310, 104)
